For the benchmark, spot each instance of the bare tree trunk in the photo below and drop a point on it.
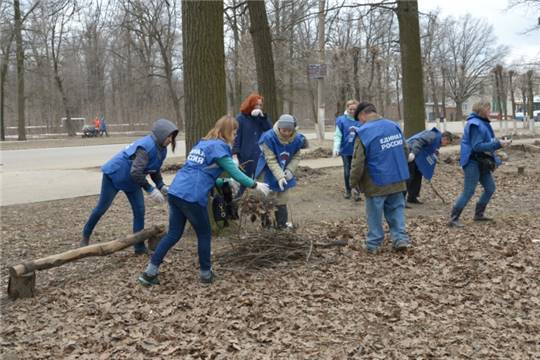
(264, 59)
(356, 76)
(20, 71)
(443, 92)
(511, 75)
(530, 95)
(411, 63)
(203, 80)
(3, 78)
(459, 110)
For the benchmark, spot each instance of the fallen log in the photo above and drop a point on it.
(22, 276)
(100, 249)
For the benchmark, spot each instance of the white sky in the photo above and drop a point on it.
(508, 25)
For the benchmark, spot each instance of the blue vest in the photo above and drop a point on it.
(198, 176)
(344, 123)
(426, 159)
(119, 167)
(385, 157)
(487, 134)
(284, 153)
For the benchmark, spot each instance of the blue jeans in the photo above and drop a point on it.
(106, 197)
(392, 206)
(347, 159)
(472, 177)
(197, 215)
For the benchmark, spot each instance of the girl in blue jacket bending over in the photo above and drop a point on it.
(127, 171)
(478, 147)
(188, 196)
(278, 161)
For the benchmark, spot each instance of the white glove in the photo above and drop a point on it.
(164, 189)
(156, 196)
(235, 185)
(505, 142)
(263, 188)
(282, 183)
(411, 157)
(335, 153)
(288, 174)
(256, 112)
(235, 160)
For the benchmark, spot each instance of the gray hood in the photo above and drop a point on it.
(161, 129)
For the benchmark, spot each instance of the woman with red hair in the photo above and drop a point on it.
(252, 123)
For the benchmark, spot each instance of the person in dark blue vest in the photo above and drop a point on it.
(127, 172)
(478, 160)
(252, 123)
(344, 143)
(379, 169)
(424, 148)
(280, 149)
(188, 196)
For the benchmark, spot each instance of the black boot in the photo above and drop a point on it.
(454, 217)
(479, 213)
(84, 241)
(281, 216)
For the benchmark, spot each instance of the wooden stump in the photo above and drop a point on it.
(23, 286)
(521, 170)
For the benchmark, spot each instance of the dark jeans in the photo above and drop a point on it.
(414, 184)
(106, 197)
(473, 176)
(347, 160)
(197, 215)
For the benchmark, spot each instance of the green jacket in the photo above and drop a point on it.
(360, 177)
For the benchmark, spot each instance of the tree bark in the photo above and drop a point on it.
(20, 71)
(92, 250)
(512, 92)
(204, 67)
(411, 63)
(530, 95)
(264, 59)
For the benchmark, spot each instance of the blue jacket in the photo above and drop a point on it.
(283, 152)
(478, 137)
(344, 123)
(118, 168)
(383, 144)
(424, 146)
(196, 178)
(246, 143)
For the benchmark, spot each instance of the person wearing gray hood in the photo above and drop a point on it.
(127, 172)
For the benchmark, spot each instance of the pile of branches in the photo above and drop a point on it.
(267, 248)
(253, 207)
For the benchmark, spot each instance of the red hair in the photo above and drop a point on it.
(249, 103)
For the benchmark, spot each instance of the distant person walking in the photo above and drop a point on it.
(103, 127)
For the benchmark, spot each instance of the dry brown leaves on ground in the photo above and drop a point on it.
(470, 293)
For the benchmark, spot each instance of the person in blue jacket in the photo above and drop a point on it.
(252, 123)
(424, 148)
(478, 160)
(344, 143)
(379, 169)
(280, 149)
(188, 196)
(127, 172)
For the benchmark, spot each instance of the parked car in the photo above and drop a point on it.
(520, 116)
(89, 131)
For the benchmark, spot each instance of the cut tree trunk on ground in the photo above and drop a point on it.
(22, 276)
